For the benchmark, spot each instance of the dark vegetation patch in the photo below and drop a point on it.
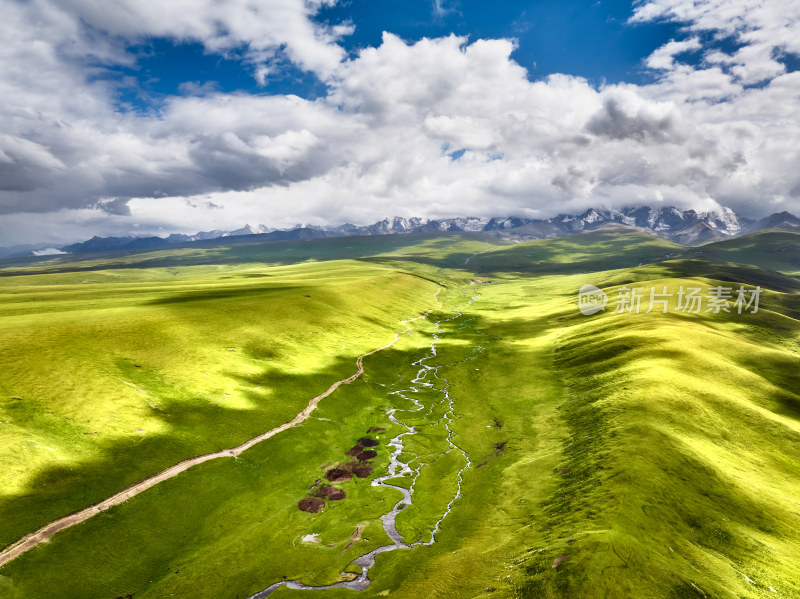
(336, 475)
(354, 450)
(332, 493)
(363, 471)
(312, 505)
(341, 472)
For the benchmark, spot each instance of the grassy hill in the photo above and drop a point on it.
(615, 455)
(776, 250)
(111, 378)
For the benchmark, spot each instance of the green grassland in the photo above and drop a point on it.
(215, 256)
(105, 382)
(645, 455)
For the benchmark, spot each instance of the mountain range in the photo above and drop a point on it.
(687, 227)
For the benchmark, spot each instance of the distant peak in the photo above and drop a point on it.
(683, 226)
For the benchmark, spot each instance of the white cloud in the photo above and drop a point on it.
(441, 8)
(762, 28)
(379, 142)
(664, 57)
(261, 26)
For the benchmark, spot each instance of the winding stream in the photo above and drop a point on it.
(44, 533)
(426, 378)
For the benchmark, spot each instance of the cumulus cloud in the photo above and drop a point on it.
(763, 29)
(63, 142)
(663, 58)
(435, 128)
(261, 27)
(628, 116)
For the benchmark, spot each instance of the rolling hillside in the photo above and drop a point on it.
(554, 455)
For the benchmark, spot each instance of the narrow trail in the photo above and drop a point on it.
(473, 255)
(44, 533)
(398, 468)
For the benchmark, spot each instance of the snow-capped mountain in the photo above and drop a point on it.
(202, 235)
(390, 226)
(249, 230)
(683, 226)
(669, 221)
(686, 226)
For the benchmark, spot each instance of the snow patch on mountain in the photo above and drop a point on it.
(48, 252)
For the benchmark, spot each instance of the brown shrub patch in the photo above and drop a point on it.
(363, 471)
(337, 475)
(333, 493)
(354, 450)
(311, 505)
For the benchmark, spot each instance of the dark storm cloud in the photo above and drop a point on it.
(616, 121)
(17, 175)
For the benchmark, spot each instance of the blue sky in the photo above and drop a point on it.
(590, 39)
(159, 116)
(581, 37)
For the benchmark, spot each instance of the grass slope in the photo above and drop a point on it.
(109, 380)
(612, 456)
